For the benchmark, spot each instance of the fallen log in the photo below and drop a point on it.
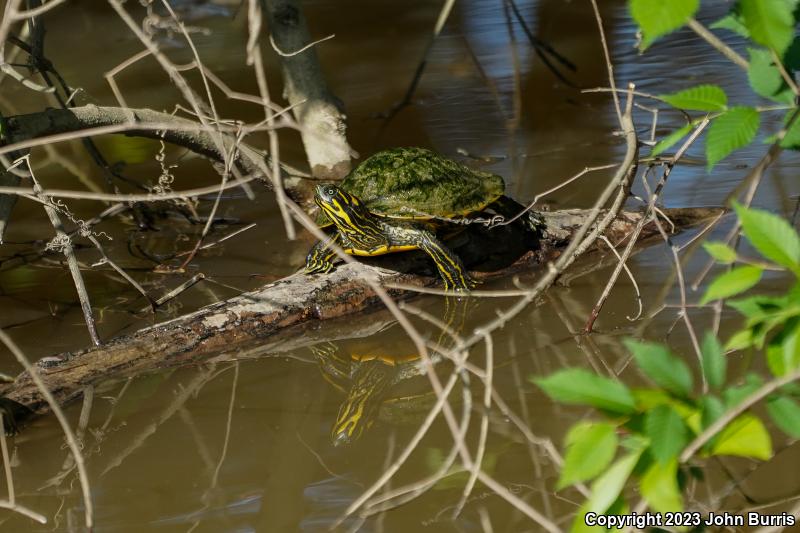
(277, 312)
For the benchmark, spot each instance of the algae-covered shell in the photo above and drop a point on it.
(415, 183)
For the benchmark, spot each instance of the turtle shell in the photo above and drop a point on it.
(415, 183)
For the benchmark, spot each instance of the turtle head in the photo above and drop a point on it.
(341, 206)
(350, 215)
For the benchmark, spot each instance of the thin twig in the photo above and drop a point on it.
(720, 423)
(484, 428)
(640, 225)
(609, 65)
(717, 43)
(300, 51)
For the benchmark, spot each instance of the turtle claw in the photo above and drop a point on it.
(464, 286)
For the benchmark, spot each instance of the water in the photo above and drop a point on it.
(243, 444)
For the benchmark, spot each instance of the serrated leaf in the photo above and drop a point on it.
(766, 79)
(659, 486)
(714, 362)
(731, 283)
(785, 412)
(607, 488)
(769, 22)
(590, 448)
(771, 235)
(660, 17)
(745, 436)
(667, 142)
(720, 251)
(699, 98)
(663, 368)
(580, 387)
(733, 22)
(730, 131)
(667, 432)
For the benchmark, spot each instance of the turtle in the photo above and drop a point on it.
(408, 199)
(372, 386)
(383, 377)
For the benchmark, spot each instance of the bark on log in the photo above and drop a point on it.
(274, 314)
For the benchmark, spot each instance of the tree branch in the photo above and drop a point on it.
(24, 131)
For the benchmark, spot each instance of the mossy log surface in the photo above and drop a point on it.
(281, 312)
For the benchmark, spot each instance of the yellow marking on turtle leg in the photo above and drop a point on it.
(320, 257)
(450, 268)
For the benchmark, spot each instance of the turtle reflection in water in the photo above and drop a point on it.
(382, 378)
(408, 199)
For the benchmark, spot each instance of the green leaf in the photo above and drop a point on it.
(771, 235)
(730, 131)
(759, 307)
(590, 448)
(720, 251)
(658, 364)
(580, 387)
(740, 340)
(659, 486)
(659, 17)
(698, 98)
(607, 488)
(733, 396)
(713, 408)
(733, 22)
(769, 22)
(745, 436)
(786, 414)
(647, 399)
(766, 79)
(792, 137)
(732, 283)
(667, 142)
(667, 432)
(714, 362)
(783, 351)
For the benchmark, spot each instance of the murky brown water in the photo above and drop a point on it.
(244, 445)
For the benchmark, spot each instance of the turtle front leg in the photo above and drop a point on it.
(450, 267)
(320, 258)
